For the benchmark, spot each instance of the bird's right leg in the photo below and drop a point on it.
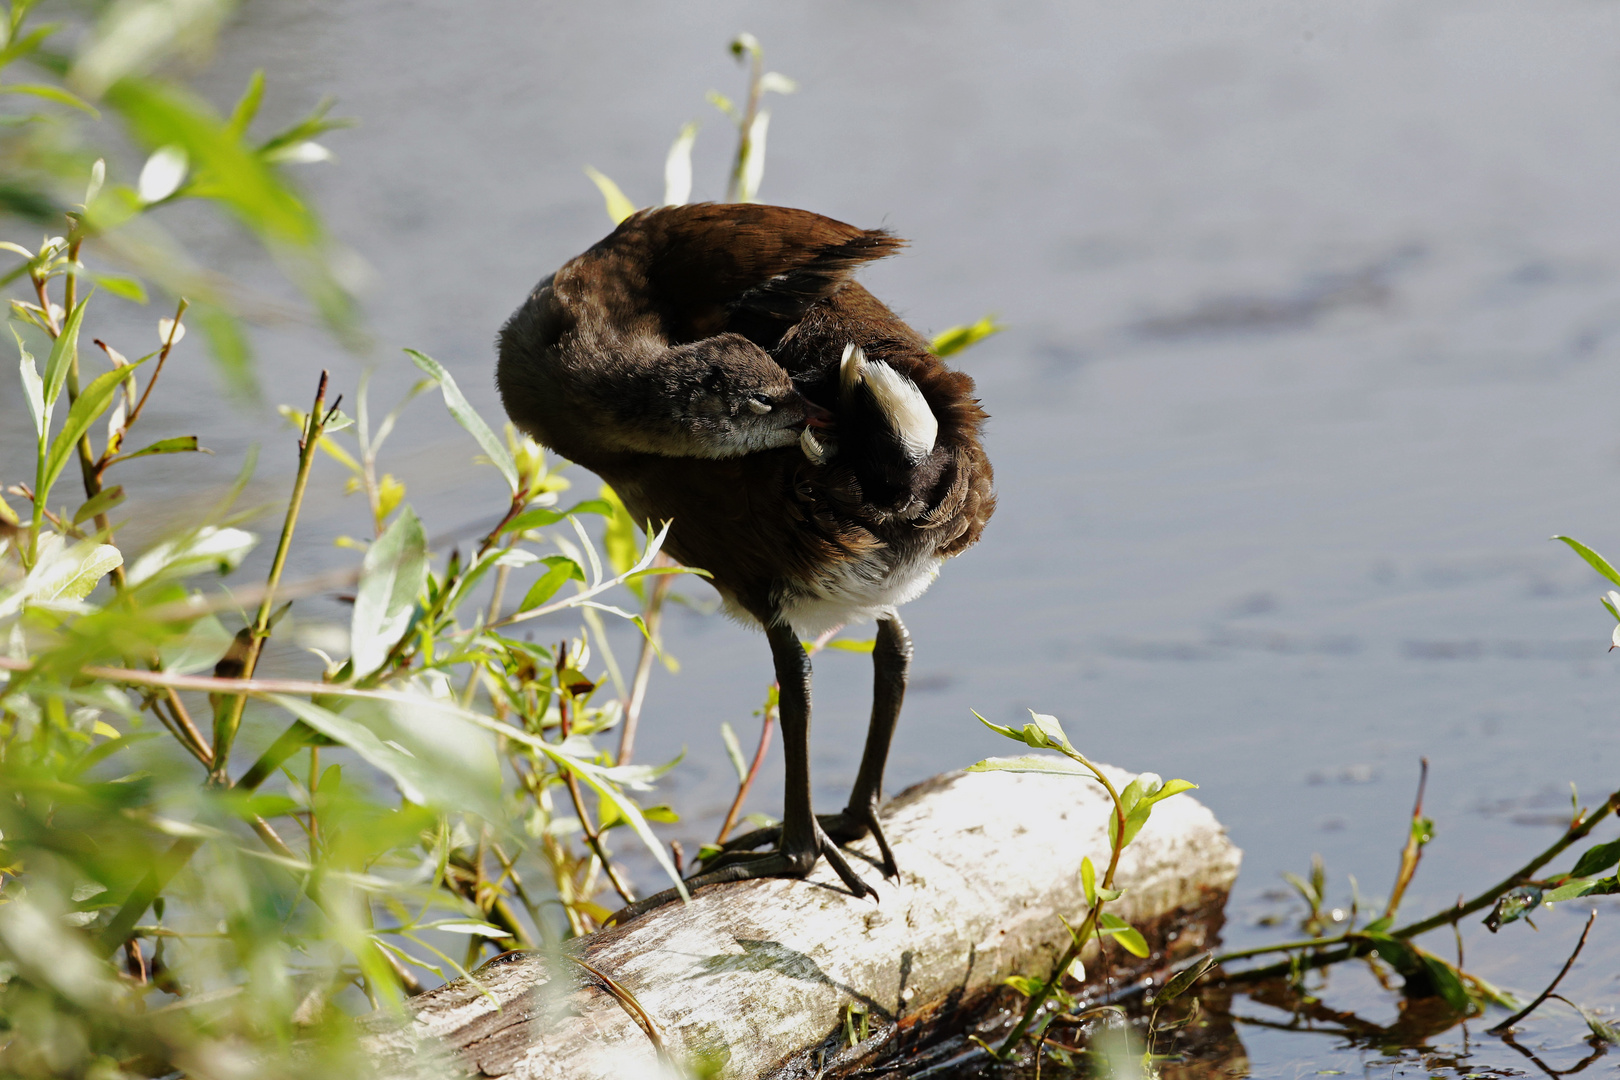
(803, 840)
(891, 663)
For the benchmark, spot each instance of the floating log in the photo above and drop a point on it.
(770, 978)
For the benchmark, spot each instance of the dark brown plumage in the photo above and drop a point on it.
(683, 358)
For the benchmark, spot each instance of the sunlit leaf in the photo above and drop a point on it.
(678, 167)
(209, 548)
(224, 170)
(92, 402)
(391, 576)
(50, 93)
(619, 206)
(63, 350)
(468, 417)
(121, 286)
(1130, 939)
(105, 500)
(1593, 559)
(33, 389)
(734, 751)
(1595, 860)
(179, 444)
(957, 338)
(162, 174)
(1031, 763)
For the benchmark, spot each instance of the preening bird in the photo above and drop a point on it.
(718, 366)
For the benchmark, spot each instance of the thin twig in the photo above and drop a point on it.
(229, 719)
(767, 722)
(168, 345)
(1352, 944)
(1505, 1025)
(592, 836)
(651, 616)
(1412, 851)
(628, 1002)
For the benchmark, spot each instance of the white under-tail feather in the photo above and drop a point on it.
(898, 399)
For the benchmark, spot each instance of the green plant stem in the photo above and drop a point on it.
(1411, 851)
(229, 719)
(1087, 929)
(745, 125)
(651, 616)
(1352, 944)
(1577, 832)
(593, 837)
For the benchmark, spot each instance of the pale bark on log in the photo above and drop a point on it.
(760, 976)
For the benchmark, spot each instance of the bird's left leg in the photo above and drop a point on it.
(891, 665)
(803, 841)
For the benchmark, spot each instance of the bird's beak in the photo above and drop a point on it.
(815, 416)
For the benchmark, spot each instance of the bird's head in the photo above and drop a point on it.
(742, 401)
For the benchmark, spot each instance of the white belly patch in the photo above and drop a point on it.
(856, 592)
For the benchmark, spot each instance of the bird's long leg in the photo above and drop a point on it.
(891, 665)
(803, 840)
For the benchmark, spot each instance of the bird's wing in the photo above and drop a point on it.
(756, 269)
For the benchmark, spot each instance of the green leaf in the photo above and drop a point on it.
(1171, 787)
(619, 538)
(23, 46)
(1031, 763)
(180, 444)
(1024, 984)
(225, 170)
(1088, 880)
(63, 350)
(121, 286)
(1183, 980)
(465, 926)
(428, 755)
(1578, 887)
(1129, 938)
(958, 338)
(1596, 561)
(33, 389)
(468, 417)
(1395, 952)
(1050, 729)
(93, 401)
(61, 574)
(734, 751)
(678, 167)
(209, 548)
(562, 568)
(1017, 736)
(1597, 859)
(105, 500)
(247, 106)
(1447, 983)
(619, 206)
(393, 573)
(50, 93)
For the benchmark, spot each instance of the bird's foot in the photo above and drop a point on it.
(741, 865)
(845, 827)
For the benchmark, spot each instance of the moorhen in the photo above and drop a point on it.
(716, 365)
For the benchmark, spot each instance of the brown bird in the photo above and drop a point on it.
(719, 368)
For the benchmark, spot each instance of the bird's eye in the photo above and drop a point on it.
(759, 403)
